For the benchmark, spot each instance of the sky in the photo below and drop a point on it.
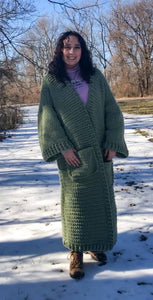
(45, 7)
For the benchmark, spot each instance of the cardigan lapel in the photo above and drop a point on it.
(75, 98)
(76, 110)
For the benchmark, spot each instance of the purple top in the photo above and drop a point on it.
(79, 84)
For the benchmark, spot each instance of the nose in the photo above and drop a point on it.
(71, 50)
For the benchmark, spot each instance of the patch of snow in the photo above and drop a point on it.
(34, 262)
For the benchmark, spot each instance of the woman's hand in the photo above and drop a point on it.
(109, 154)
(71, 158)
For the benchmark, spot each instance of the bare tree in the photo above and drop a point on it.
(131, 38)
(91, 23)
(39, 44)
(14, 21)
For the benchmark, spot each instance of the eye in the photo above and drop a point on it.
(67, 47)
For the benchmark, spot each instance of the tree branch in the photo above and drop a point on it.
(66, 5)
(21, 54)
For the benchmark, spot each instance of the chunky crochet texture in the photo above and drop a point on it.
(87, 197)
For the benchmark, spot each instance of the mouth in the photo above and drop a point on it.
(71, 58)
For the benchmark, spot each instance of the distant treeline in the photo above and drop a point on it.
(120, 38)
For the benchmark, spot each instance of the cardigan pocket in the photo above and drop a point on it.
(61, 163)
(108, 167)
(88, 166)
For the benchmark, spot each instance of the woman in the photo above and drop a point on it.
(81, 126)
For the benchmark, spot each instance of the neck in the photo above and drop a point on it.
(76, 67)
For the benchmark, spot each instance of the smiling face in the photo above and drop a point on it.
(71, 51)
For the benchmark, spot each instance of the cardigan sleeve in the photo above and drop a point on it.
(52, 137)
(114, 124)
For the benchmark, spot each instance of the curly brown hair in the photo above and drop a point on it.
(57, 65)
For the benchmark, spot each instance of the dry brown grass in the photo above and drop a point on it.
(10, 118)
(137, 106)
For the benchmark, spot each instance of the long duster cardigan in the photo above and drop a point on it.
(88, 207)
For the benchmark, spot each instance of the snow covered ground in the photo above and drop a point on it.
(34, 264)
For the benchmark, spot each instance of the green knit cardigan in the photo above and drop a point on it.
(87, 197)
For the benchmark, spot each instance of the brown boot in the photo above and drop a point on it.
(76, 265)
(99, 256)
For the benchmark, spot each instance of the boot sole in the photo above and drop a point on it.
(102, 260)
(77, 275)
